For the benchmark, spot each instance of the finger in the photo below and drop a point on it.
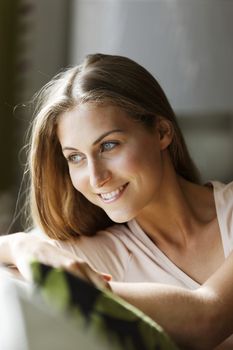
(84, 271)
(100, 279)
(106, 276)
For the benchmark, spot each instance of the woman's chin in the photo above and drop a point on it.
(120, 218)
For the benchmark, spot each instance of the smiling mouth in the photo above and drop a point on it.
(114, 195)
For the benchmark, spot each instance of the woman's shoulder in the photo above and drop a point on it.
(223, 195)
(222, 185)
(113, 234)
(109, 237)
(223, 192)
(106, 250)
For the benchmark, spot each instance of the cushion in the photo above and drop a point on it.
(113, 321)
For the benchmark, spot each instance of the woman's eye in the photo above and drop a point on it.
(75, 158)
(108, 146)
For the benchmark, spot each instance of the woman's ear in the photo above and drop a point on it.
(165, 132)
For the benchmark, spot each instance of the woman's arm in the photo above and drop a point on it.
(184, 314)
(21, 248)
(199, 319)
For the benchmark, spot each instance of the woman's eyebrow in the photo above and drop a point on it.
(106, 134)
(96, 141)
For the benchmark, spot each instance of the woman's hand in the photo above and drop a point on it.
(21, 248)
(81, 269)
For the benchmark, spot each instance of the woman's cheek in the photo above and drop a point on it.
(78, 180)
(128, 163)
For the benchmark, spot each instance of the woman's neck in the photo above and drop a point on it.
(180, 213)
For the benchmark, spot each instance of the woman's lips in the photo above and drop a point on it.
(109, 197)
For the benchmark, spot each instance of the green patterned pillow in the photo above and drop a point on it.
(110, 318)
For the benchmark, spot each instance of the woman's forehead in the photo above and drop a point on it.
(91, 115)
(88, 122)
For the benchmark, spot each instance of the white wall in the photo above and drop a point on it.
(187, 45)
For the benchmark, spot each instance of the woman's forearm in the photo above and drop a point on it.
(186, 315)
(18, 249)
(21, 248)
(7, 242)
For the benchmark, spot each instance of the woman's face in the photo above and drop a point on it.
(113, 160)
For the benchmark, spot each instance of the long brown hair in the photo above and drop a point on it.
(56, 206)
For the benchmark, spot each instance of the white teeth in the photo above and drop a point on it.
(111, 195)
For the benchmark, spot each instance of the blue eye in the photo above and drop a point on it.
(108, 146)
(75, 158)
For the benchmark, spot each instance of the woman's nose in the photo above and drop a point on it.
(99, 175)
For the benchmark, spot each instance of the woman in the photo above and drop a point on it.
(115, 190)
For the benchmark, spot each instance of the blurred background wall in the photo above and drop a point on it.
(34, 45)
(186, 44)
(8, 125)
